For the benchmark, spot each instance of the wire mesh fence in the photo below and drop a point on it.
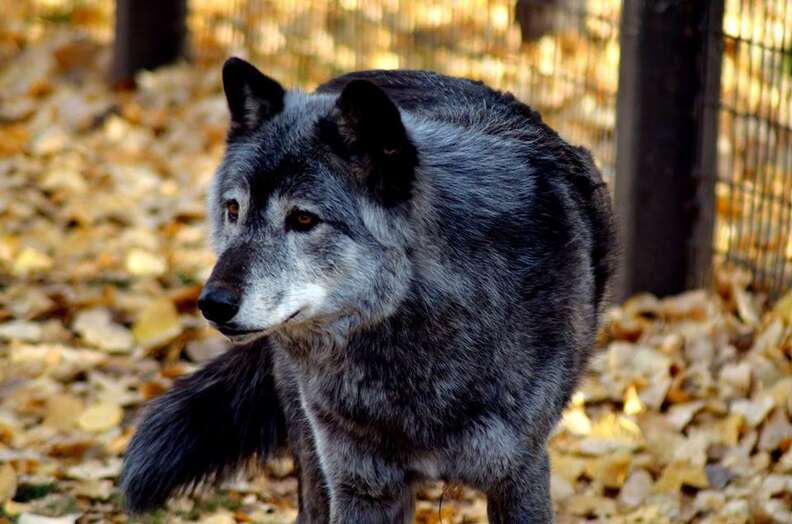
(754, 187)
(560, 56)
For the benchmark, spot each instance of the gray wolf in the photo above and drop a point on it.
(411, 268)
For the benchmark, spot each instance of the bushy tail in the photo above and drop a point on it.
(209, 424)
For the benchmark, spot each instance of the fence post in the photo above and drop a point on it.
(148, 34)
(666, 128)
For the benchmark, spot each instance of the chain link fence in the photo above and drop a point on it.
(753, 225)
(560, 56)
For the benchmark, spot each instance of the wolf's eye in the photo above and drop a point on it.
(301, 221)
(232, 210)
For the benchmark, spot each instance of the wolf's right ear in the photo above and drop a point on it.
(252, 96)
(371, 123)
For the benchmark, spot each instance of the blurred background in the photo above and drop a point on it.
(112, 120)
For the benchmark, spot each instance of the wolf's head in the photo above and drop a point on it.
(309, 208)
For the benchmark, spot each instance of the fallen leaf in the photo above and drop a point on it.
(567, 467)
(776, 433)
(222, 517)
(63, 411)
(94, 470)
(31, 261)
(97, 328)
(783, 308)
(680, 414)
(611, 469)
(746, 307)
(52, 140)
(100, 417)
(735, 379)
(30, 518)
(586, 504)
(753, 411)
(560, 488)
(688, 305)
(729, 429)
(8, 482)
(21, 330)
(709, 500)
(158, 323)
(679, 473)
(637, 488)
(145, 264)
(576, 421)
(632, 403)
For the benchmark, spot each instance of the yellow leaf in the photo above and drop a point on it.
(611, 470)
(221, 517)
(13, 139)
(567, 467)
(754, 411)
(63, 410)
(97, 328)
(632, 403)
(637, 487)
(31, 261)
(13, 509)
(576, 421)
(145, 264)
(158, 323)
(679, 415)
(728, 429)
(32, 518)
(680, 473)
(100, 417)
(8, 482)
(783, 308)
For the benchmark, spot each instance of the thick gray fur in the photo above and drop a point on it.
(443, 314)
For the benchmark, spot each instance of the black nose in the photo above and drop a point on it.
(218, 304)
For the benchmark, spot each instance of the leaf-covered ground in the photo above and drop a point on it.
(684, 417)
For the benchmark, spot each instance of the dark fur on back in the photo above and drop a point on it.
(427, 91)
(208, 425)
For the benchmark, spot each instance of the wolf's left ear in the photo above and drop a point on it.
(252, 96)
(372, 125)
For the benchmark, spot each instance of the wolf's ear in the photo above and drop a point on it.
(371, 124)
(252, 96)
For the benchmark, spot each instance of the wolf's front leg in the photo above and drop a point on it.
(314, 503)
(364, 487)
(356, 500)
(523, 496)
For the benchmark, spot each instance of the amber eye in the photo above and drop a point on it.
(232, 210)
(301, 221)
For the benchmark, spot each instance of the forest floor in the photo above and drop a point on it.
(683, 417)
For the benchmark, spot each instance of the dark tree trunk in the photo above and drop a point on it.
(669, 85)
(148, 34)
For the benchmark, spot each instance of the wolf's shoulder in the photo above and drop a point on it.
(433, 93)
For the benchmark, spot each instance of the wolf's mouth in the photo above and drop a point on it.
(234, 333)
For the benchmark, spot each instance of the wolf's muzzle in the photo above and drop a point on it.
(218, 304)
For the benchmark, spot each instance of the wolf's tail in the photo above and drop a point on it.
(209, 424)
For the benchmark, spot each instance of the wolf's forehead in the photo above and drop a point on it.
(278, 148)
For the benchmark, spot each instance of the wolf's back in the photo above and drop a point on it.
(469, 103)
(595, 199)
